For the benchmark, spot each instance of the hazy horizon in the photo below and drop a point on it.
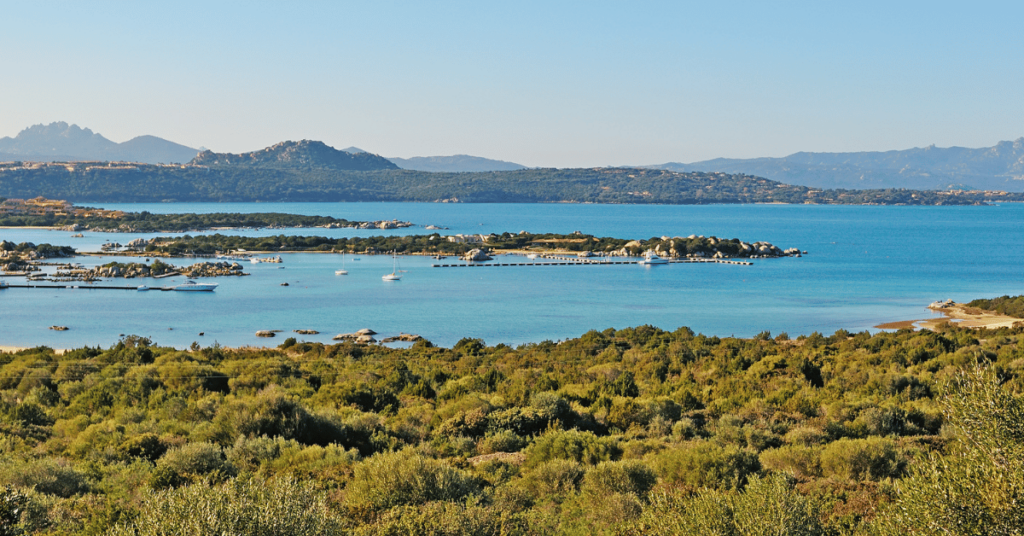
(565, 85)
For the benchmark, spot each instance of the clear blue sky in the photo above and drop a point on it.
(545, 83)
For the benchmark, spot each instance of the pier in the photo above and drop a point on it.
(550, 260)
(85, 287)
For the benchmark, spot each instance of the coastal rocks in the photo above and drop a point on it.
(403, 337)
(381, 224)
(266, 333)
(59, 328)
(306, 331)
(74, 227)
(140, 243)
(477, 255)
(213, 269)
(363, 336)
(941, 304)
(355, 337)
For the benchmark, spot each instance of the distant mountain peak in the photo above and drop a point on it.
(307, 153)
(62, 141)
(459, 163)
(353, 150)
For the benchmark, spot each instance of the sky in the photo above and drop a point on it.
(547, 83)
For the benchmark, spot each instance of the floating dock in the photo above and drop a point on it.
(86, 287)
(566, 261)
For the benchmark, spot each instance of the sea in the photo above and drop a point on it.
(865, 265)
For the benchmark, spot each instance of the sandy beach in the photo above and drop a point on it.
(959, 314)
(12, 349)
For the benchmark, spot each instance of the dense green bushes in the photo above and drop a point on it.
(633, 431)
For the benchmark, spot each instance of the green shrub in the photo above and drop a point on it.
(798, 460)
(630, 476)
(873, 458)
(190, 462)
(405, 477)
(53, 476)
(703, 464)
(502, 441)
(583, 447)
(556, 477)
(276, 507)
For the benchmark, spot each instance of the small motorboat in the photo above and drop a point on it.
(192, 286)
(650, 257)
(142, 287)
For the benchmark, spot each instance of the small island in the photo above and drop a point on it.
(57, 214)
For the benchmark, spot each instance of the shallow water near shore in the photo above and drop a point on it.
(866, 265)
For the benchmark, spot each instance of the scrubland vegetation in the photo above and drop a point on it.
(1006, 305)
(635, 431)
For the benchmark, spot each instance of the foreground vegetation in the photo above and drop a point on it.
(299, 182)
(633, 431)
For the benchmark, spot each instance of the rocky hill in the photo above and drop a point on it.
(455, 163)
(297, 154)
(1000, 167)
(61, 142)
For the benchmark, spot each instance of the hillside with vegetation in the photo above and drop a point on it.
(1006, 305)
(274, 179)
(632, 431)
(1000, 167)
(303, 154)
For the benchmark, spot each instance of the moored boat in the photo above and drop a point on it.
(192, 286)
(650, 257)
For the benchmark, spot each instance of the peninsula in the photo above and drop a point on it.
(58, 214)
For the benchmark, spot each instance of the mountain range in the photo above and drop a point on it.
(1000, 167)
(63, 142)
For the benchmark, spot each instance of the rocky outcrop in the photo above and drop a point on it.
(478, 255)
(306, 331)
(265, 333)
(403, 337)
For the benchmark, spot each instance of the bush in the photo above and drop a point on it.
(399, 478)
(798, 460)
(702, 464)
(583, 447)
(630, 476)
(190, 462)
(277, 507)
(52, 476)
(556, 477)
(503, 441)
(873, 458)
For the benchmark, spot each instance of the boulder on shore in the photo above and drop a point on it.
(477, 255)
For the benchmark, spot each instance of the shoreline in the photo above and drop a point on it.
(13, 349)
(958, 314)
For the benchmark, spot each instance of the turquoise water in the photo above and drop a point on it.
(866, 265)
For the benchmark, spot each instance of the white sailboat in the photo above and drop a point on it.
(393, 276)
(343, 271)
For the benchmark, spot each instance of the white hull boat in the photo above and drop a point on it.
(393, 276)
(192, 286)
(652, 258)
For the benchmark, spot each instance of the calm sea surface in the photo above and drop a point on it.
(865, 265)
